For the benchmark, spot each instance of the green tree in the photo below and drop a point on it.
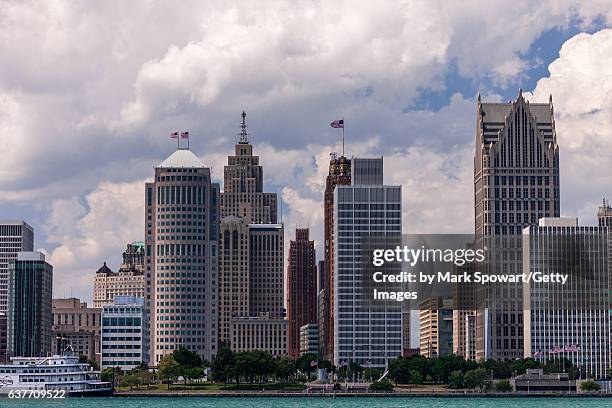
(168, 369)
(144, 378)
(304, 363)
(475, 378)
(503, 386)
(284, 368)
(223, 365)
(372, 374)
(456, 380)
(129, 380)
(111, 375)
(93, 364)
(500, 369)
(193, 373)
(589, 385)
(399, 370)
(383, 385)
(416, 377)
(520, 365)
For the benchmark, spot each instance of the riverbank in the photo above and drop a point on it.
(392, 394)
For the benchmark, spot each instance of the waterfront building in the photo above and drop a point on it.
(259, 333)
(570, 320)
(129, 280)
(125, 335)
(516, 182)
(251, 263)
(339, 174)
(181, 228)
(309, 339)
(302, 287)
(436, 327)
(364, 210)
(30, 315)
(321, 308)
(77, 325)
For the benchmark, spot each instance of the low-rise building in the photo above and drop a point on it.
(77, 325)
(125, 335)
(534, 380)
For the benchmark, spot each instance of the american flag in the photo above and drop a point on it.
(337, 124)
(537, 353)
(314, 363)
(185, 135)
(174, 135)
(555, 350)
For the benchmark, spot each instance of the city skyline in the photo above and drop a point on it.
(77, 156)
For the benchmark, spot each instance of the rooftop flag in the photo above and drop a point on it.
(337, 124)
(174, 135)
(185, 135)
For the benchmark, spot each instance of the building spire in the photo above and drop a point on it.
(244, 136)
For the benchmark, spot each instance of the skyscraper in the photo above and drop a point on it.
(15, 236)
(266, 270)
(365, 209)
(251, 272)
(243, 194)
(181, 227)
(302, 290)
(234, 244)
(30, 314)
(570, 320)
(516, 182)
(339, 174)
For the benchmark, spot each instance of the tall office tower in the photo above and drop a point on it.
(302, 290)
(76, 325)
(516, 182)
(570, 320)
(243, 194)
(266, 270)
(363, 211)
(15, 236)
(234, 243)
(339, 174)
(436, 327)
(129, 280)
(30, 314)
(604, 214)
(181, 227)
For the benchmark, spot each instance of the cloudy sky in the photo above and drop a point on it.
(89, 92)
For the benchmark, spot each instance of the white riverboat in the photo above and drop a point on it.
(62, 375)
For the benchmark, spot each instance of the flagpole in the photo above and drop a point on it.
(343, 125)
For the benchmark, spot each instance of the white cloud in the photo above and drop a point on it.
(581, 85)
(91, 231)
(93, 89)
